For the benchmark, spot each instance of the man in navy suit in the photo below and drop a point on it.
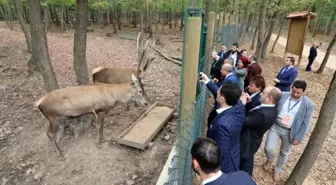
(286, 76)
(257, 122)
(233, 53)
(226, 127)
(256, 86)
(206, 162)
(222, 51)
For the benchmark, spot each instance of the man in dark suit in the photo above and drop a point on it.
(253, 69)
(226, 127)
(222, 51)
(233, 53)
(228, 75)
(206, 161)
(257, 122)
(254, 89)
(216, 66)
(312, 56)
(286, 76)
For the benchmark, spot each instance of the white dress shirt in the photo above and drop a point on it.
(206, 181)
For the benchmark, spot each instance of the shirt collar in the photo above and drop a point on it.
(228, 75)
(290, 98)
(206, 181)
(254, 94)
(220, 110)
(267, 105)
(217, 58)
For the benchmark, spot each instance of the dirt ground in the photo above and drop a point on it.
(27, 156)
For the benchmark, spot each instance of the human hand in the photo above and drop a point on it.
(276, 80)
(203, 77)
(296, 142)
(244, 98)
(215, 80)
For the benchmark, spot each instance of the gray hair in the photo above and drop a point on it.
(228, 67)
(229, 61)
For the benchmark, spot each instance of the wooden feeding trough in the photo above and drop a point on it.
(143, 130)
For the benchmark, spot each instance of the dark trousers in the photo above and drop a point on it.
(211, 117)
(310, 62)
(246, 164)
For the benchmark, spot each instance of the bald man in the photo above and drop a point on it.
(257, 122)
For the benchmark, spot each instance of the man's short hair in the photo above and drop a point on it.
(300, 84)
(254, 58)
(292, 59)
(276, 94)
(258, 81)
(229, 60)
(227, 67)
(235, 44)
(207, 153)
(231, 92)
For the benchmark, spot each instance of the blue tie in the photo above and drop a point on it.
(285, 70)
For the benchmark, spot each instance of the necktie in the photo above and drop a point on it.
(285, 70)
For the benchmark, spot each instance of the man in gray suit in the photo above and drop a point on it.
(292, 124)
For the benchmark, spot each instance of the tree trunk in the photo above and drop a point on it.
(40, 57)
(108, 16)
(113, 21)
(24, 29)
(4, 15)
(26, 13)
(150, 28)
(182, 18)
(326, 57)
(241, 29)
(318, 20)
(331, 22)
(254, 38)
(56, 16)
(119, 18)
(142, 21)
(10, 15)
(170, 19)
(80, 66)
(51, 15)
(46, 15)
(270, 32)
(317, 138)
(278, 36)
(261, 28)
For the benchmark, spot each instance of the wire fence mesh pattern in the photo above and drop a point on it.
(180, 171)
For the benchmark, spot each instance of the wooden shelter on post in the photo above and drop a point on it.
(297, 31)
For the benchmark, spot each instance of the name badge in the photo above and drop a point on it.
(287, 120)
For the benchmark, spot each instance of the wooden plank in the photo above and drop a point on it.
(141, 132)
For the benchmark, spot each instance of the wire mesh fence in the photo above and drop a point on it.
(180, 171)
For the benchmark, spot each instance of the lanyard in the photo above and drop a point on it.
(289, 101)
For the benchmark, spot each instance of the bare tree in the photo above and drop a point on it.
(320, 132)
(326, 57)
(24, 29)
(261, 28)
(40, 59)
(81, 69)
(278, 36)
(331, 21)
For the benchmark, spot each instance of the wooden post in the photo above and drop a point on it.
(190, 69)
(208, 48)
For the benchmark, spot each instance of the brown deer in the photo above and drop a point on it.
(79, 100)
(123, 75)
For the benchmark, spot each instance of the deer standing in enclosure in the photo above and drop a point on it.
(79, 100)
(123, 75)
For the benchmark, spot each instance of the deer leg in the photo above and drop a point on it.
(99, 126)
(51, 133)
(127, 106)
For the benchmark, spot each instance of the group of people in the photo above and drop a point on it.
(244, 110)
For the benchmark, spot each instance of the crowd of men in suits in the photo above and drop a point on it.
(244, 110)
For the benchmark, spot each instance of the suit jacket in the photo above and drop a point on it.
(227, 55)
(312, 53)
(286, 78)
(252, 70)
(256, 123)
(225, 130)
(301, 122)
(216, 67)
(220, 53)
(235, 178)
(255, 101)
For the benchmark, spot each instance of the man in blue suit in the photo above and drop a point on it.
(206, 161)
(222, 51)
(226, 127)
(286, 76)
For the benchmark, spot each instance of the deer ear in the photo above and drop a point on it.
(134, 79)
